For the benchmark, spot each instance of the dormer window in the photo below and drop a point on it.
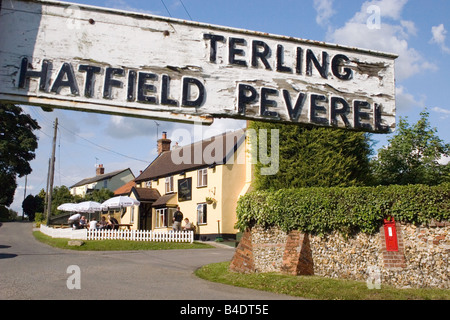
(169, 184)
(202, 178)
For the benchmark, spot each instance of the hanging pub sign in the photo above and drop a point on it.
(78, 57)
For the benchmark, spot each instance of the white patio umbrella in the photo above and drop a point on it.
(119, 202)
(71, 207)
(89, 206)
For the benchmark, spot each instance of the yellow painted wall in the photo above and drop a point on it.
(234, 179)
(225, 184)
(199, 194)
(126, 218)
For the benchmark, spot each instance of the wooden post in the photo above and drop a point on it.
(52, 174)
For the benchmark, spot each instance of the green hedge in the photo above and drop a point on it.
(346, 210)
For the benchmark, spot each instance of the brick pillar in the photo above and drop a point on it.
(393, 259)
(242, 261)
(297, 257)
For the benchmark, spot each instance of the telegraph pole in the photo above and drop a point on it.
(51, 175)
(46, 189)
(24, 195)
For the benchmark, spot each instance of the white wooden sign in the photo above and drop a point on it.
(63, 55)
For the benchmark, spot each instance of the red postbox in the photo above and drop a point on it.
(390, 234)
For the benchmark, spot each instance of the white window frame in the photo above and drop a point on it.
(132, 215)
(169, 185)
(164, 217)
(202, 214)
(160, 218)
(202, 178)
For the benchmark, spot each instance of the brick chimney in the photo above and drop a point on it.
(164, 144)
(99, 170)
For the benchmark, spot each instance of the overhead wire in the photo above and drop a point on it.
(164, 4)
(104, 148)
(91, 142)
(185, 9)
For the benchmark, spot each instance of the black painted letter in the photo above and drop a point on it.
(143, 87)
(342, 112)
(187, 84)
(214, 38)
(316, 108)
(265, 102)
(280, 60)
(165, 90)
(246, 95)
(67, 73)
(90, 78)
(25, 74)
(262, 55)
(322, 68)
(236, 52)
(110, 82)
(336, 67)
(360, 115)
(294, 113)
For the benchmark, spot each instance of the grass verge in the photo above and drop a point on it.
(314, 287)
(117, 245)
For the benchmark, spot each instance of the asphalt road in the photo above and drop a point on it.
(30, 270)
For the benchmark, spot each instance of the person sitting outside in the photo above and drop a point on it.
(113, 223)
(93, 224)
(189, 226)
(103, 224)
(83, 222)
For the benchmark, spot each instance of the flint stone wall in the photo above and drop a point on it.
(422, 259)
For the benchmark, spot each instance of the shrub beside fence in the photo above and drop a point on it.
(131, 235)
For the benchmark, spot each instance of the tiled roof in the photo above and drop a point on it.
(99, 178)
(125, 189)
(163, 200)
(187, 157)
(146, 194)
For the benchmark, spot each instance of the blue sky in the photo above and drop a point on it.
(416, 30)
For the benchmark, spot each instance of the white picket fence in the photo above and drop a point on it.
(133, 235)
(141, 235)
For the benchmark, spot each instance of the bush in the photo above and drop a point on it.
(39, 218)
(346, 210)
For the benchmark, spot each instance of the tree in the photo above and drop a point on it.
(316, 157)
(17, 146)
(60, 195)
(412, 155)
(99, 195)
(29, 206)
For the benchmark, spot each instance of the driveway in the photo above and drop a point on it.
(32, 270)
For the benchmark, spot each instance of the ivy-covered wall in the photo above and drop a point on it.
(348, 211)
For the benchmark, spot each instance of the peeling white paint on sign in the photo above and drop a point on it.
(101, 60)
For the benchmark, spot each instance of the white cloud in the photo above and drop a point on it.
(388, 9)
(406, 101)
(439, 36)
(410, 27)
(324, 10)
(391, 36)
(445, 113)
